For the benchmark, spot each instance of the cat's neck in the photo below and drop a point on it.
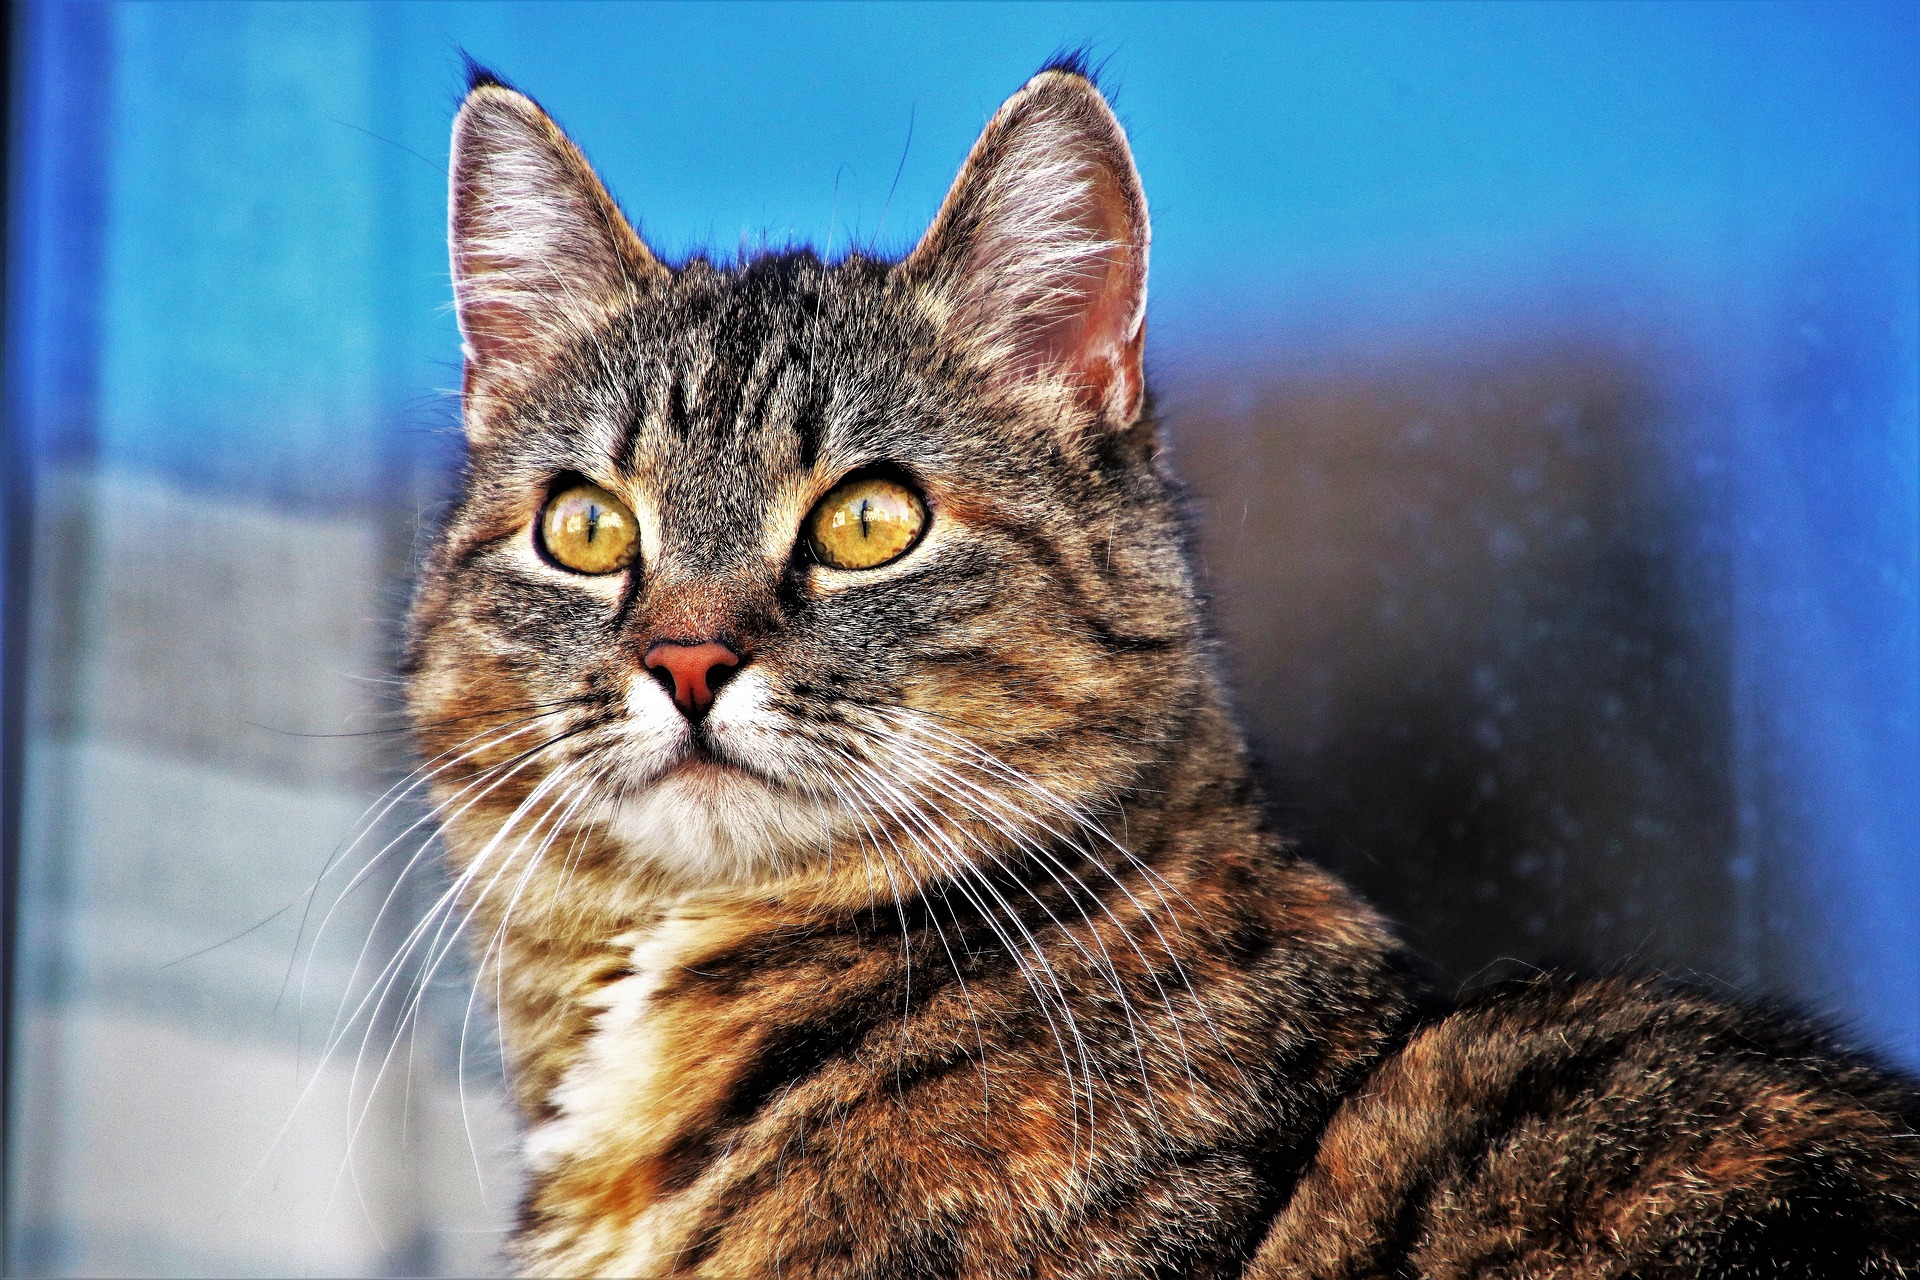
(1190, 826)
(1104, 993)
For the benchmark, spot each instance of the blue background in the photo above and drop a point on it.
(228, 277)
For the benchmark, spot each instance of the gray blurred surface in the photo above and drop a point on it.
(180, 811)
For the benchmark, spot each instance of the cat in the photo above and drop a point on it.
(871, 875)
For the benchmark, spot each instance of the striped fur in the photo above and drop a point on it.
(953, 941)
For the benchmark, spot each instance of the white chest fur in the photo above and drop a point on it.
(594, 1099)
(611, 1107)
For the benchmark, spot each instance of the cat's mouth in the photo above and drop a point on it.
(698, 758)
(702, 761)
(700, 770)
(714, 817)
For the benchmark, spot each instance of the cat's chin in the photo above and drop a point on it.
(708, 823)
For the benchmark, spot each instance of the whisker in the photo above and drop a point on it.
(1155, 881)
(957, 870)
(440, 950)
(382, 984)
(392, 797)
(1055, 869)
(506, 769)
(1101, 963)
(866, 828)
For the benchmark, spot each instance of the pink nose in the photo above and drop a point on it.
(693, 670)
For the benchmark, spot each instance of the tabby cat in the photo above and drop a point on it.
(871, 877)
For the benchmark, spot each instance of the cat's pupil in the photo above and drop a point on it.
(865, 532)
(593, 521)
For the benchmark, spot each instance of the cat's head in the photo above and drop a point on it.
(759, 562)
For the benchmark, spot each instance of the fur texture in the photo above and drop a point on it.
(951, 941)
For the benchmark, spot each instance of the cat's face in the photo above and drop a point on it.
(754, 565)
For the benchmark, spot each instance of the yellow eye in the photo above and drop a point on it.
(866, 522)
(588, 530)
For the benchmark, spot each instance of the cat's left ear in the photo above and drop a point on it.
(541, 254)
(1038, 257)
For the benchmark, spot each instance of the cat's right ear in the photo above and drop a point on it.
(541, 254)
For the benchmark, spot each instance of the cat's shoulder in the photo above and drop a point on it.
(1612, 1125)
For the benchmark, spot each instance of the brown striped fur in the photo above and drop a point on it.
(953, 942)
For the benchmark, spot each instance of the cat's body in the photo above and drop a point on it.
(917, 917)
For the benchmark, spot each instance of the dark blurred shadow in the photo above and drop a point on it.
(1471, 637)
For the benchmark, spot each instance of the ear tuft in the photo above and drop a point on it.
(541, 254)
(480, 76)
(1038, 257)
(1074, 61)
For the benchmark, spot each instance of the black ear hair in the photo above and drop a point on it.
(1073, 60)
(480, 76)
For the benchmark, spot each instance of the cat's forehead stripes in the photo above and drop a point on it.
(745, 395)
(724, 368)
